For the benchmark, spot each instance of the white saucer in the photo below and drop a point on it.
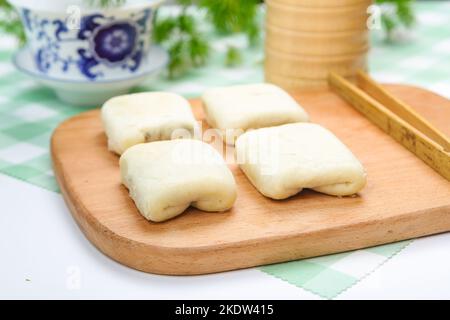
(86, 93)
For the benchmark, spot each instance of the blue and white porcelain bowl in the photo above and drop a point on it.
(69, 40)
(91, 93)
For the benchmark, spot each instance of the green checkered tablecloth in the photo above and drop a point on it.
(30, 112)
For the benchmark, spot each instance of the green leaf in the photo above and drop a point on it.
(233, 57)
(388, 23)
(10, 22)
(404, 14)
(231, 16)
(105, 3)
(186, 45)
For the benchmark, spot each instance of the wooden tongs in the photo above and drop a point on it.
(397, 119)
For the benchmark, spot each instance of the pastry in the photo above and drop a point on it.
(164, 178)
(145, 117)
(235, 109)
(281, 161)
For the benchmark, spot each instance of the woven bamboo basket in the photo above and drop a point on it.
(313, 67)
(290, 83)
(317, 19)
(321, 3)
(308, 39)
(316, 44)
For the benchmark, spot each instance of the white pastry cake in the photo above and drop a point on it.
(145, 117)
(243, 107)
(164, 178)
(281, 161)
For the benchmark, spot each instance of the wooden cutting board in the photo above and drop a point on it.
(403, 199)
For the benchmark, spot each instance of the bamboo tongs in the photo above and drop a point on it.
(397, 119)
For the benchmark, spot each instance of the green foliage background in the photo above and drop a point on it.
(188, 46)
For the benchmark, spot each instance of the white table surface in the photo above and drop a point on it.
(45, 255)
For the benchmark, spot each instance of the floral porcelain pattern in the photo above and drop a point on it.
(100, 45)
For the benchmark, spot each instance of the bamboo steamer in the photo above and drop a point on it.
(290, 83)
(313, 67)
(308, 39)
(320, 44)
(317, 19)
(321, 3)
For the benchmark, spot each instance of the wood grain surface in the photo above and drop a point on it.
(316, 18)
(396, 119)
(316, 44)
(404, 199)
(313, 67)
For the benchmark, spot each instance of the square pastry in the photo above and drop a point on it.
(145, 117)
(164, 178)
(281, 161)
(233, 110)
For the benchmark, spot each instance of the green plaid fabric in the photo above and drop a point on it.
(29, 113)
(328, 276)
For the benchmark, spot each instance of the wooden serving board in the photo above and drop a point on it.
(403, 199)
